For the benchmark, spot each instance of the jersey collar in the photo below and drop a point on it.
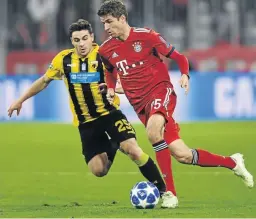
(130, 33)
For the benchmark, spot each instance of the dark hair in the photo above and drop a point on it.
(81, 24)
(116, 8)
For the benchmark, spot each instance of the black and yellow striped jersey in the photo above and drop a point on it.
(86, 101)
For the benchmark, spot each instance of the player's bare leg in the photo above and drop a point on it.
(155, 128)
(203, 158)
(146, 165)
(99, 165)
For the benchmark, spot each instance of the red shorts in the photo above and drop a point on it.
(164, 103)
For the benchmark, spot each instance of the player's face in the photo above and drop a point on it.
(113, 26)
(82, 41)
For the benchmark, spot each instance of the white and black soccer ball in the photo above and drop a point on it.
(144, 195)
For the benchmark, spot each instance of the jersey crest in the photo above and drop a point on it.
(137, 46)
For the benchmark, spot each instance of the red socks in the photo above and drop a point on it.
(163, 157)
(206, 159)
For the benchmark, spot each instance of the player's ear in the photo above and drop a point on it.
(122, 18)
(92, 36)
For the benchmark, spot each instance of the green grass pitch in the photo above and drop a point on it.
(43, 174)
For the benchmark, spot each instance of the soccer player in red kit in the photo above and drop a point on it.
(133, 54)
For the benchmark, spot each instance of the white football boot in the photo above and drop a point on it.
(241, 171)
(169, 200)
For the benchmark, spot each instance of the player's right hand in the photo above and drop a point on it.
(184, 82)
(17, 105)
(103, 88)
(110, 95)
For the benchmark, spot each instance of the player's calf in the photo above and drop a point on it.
(181, 152)
(155, 132)
(146, 165)
(199, 157)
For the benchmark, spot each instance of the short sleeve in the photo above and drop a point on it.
(55, 69)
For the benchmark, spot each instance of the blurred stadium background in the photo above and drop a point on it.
(218, 37)
(39, 162)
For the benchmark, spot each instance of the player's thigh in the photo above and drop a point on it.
(118, 127)
(120, 130)
(94, 140)
(164, 104)
(155, 124)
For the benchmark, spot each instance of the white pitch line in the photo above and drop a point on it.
(115, 173)
(123, 218)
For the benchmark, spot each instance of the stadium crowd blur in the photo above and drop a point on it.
(216, 35)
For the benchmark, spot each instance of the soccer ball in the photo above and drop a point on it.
(144, 195)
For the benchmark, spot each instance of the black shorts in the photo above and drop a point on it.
(105, 133)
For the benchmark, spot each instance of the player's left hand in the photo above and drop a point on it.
(184, 83)
(110, 95)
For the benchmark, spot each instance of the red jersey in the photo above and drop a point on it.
(138, 64)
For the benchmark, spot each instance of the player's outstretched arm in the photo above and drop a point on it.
(183, 64)
(167, 50)
(35, 88)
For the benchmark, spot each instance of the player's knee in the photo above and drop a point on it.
(135, 153)
(99, 165)
(155, 127)
(154, 136)
(99, 172)
(131, 148)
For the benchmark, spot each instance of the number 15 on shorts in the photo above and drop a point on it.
(156, 104)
